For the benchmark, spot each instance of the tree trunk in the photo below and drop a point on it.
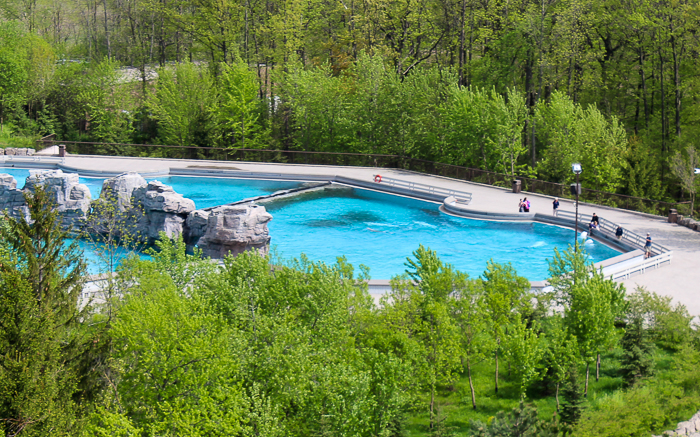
(642, 77)
(597, 368)
(496, 370)
(109, 46)
(556, 396)
(462, 52)
(471, 384)
(677, 80)
(585, 390)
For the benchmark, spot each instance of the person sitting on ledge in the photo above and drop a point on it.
(594, 219)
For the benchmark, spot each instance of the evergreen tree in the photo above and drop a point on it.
(40, 333)
(522, 421)
(637, 361)
(573, 398)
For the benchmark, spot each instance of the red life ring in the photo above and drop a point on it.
(378, 179)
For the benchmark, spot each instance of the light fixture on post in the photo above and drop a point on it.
(576, 168)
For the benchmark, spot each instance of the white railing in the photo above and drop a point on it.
(609, 227)
(33, 158)
(461, 196)
(653, 262)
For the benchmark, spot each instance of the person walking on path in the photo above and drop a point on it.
(647, 247)
(520, 206)
(555, 206)
(526, 205)
(618, 233)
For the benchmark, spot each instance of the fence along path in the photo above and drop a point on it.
(370, 160)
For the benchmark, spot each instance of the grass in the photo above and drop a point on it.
(455, 401)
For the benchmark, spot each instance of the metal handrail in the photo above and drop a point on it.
(655, 262)
(461, 196)
(610, 227)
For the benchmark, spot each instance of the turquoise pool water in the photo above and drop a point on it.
(376, 229)
(381, 230)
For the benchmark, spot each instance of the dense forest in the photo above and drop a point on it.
(520, 87)
(175, 345)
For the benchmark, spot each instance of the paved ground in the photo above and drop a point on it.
(681, 279)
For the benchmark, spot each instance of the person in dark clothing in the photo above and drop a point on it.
(555, 207)
(647, 247)
(618, 233)
(594, 219)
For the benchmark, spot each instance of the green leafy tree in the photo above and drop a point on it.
(524, 349)
(591, 302)
(684, 169)
(505, 295)
(430, 287)
(238, 109)
(182, 103)
(467, 311)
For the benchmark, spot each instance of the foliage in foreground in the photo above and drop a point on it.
(248, 349)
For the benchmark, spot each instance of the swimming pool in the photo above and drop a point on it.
(380, 230)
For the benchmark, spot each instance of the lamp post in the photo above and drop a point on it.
(576, 168)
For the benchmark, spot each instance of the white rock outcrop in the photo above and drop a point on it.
(72, 198)
(162, 209)
(231, 230)
(121, 188)
(11, 199)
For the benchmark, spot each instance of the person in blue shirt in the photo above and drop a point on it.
(647, 247)
(555, 207)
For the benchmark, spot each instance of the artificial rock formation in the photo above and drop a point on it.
(231, 230)
(21, 151)
(70, 196)
(689, 428)
(120, 189)
(11, 199)
(163, 209)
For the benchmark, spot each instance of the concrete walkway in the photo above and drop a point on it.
(681, 279)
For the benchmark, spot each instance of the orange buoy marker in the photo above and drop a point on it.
(378, 179)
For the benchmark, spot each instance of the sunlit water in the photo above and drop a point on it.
(375, 229)
(381, 230)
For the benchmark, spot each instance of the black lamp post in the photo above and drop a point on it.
(576, 168)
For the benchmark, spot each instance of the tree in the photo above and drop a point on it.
(467, 311)
(524, 350)
(505, 295)
(562, 354)
(637, 360)
(238, 109)
(431, 286)
(684, 169)
(572, 406)
(591, 302)
(182, 104)
(522, 421)
(43, 343)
